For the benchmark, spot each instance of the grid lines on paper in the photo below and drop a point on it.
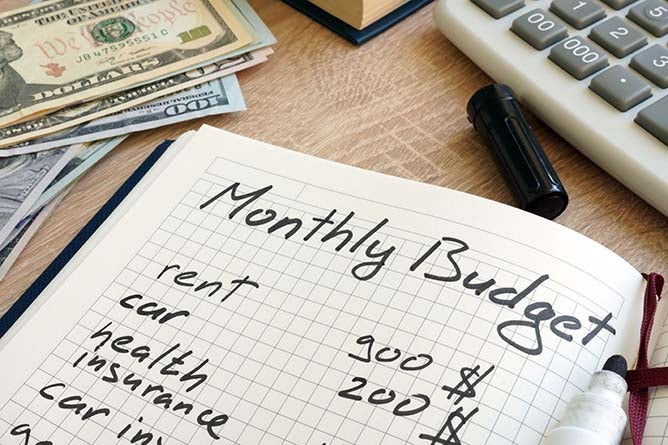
(279, 354)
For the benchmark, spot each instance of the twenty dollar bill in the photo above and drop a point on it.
(62, 52)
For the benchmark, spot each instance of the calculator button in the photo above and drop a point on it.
(655, 119)
(618, 4)
(579, 57)
(539, 29)
(499, 8)
(578, 13)
(652, 15)
(621, 88)
(618, 37)
(653, 64)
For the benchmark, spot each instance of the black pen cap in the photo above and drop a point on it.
(498, 118)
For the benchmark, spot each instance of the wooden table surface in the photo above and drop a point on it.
(395, 105)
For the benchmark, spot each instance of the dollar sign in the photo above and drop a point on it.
(466, 374)
(450, 428)
(469, 386)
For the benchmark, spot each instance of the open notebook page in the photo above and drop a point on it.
(249, 294)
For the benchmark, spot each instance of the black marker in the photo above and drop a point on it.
(497, 117)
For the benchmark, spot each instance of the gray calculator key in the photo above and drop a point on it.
(655, 119)
(618, 4)
(621, 88)
(579, 57)
(539, 28)
(651, 15)
(618, 37)
(653, 64)
(578, 13)
(499, 8)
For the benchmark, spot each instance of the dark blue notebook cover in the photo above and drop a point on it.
(350, 33)
(36, 288)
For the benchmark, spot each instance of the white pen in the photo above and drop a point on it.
(596, 416)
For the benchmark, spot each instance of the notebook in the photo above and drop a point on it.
(354, 34)
(359, 13)
(242, 293)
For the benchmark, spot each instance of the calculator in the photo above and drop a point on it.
(594, 70)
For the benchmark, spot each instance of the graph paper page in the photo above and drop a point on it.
(250, 294)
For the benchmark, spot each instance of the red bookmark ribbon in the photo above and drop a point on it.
(643, 377)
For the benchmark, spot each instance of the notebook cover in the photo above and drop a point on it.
(350, 33)
(36, 288)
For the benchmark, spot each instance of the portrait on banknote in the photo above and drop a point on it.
(13, 88)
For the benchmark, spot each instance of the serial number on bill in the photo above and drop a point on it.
(128, 43)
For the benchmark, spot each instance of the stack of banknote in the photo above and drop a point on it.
(79, 76)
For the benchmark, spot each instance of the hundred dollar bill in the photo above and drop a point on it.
(11, 251)
(79, 114)
(63, 52)
(215, 97)
(23, 178)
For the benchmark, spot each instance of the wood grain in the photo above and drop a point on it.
(8, 5)
(396, 105)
